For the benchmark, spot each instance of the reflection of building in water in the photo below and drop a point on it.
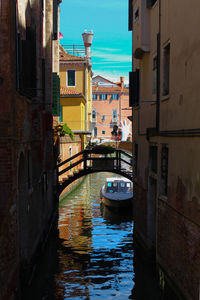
(71, 270)
(75, 228)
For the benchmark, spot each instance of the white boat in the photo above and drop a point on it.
(117, 192)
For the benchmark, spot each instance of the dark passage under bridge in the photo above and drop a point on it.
(92, 161)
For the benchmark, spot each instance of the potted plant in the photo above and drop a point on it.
(103, 149)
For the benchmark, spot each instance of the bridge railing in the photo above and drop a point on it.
(97, 160)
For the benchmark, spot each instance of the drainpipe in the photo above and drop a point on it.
(158, 72)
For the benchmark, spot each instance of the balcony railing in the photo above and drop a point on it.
(78, 50)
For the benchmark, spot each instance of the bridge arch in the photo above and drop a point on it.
(83, 173)
(93, 161)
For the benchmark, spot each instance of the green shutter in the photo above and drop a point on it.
(56, 94)
(130, 16)
(55, 19)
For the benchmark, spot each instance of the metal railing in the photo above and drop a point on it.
(78, 50)
(117, 161)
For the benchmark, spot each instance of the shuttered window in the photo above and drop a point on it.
(56, 94)
(26, 63)
(103, 97)
(130, 18)
(94, 96)
(55, 19)
(134, 88)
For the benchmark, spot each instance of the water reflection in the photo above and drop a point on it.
(91, 255)
(97, 248)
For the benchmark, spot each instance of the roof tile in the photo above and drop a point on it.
(64, 56)
(67, 91)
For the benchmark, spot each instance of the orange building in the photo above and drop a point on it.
(110, 107)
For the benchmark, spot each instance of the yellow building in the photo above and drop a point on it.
(75, 100)
(76, 92)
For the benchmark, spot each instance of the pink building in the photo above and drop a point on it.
(110, 106)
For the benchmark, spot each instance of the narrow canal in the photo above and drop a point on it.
(91, 254)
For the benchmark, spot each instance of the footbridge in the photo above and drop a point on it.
(91, 161)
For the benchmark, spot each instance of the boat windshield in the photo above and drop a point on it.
(124, 187)
(118, 187)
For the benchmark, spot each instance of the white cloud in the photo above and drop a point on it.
(106, 49)
(112, 56)
(111, 64)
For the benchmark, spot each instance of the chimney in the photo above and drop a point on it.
(122, 81)
(87, 39)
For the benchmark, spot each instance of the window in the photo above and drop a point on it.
(115, 97)
(136, 157)
(134, 88)
(150, 3)
(103, 118)
(70, 151)
(114, 115)
(166, 70)
(103, 132)
(26, 78)
(153, 158)
(71, 78)
(95, 131)
(55, 20)
(136, 14)
(56, 94)
(103, 96)
(164, 171)
(130, 17)
(94, 115)
(154, 84)
(94, 96)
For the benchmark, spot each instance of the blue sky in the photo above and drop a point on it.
(111, 47)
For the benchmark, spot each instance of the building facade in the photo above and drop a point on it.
(75, 104)
(75, 92)
(110, 107)
(165, 81)
(27, 202)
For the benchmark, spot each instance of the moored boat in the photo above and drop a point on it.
(117, 192)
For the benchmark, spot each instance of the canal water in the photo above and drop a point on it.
(91, 254)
